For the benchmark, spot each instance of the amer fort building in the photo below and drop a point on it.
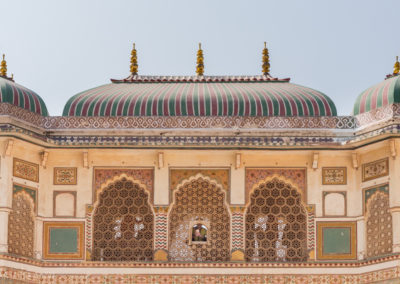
(200, 179)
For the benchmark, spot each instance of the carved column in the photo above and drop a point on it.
(4, 212)
(5, 193)
(394, 194)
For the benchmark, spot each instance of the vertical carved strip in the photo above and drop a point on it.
(310, 227)
(237, 228)
(161, 231)
(88, 230)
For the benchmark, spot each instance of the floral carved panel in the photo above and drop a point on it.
(375, 169)
(26, 170)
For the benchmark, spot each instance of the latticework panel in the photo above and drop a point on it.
(21, 225)
(123, 224)
(199, 201)
(379, 225)
(276, 224)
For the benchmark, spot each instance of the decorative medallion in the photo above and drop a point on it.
(334, 176)
(65, 176)
(26, 170)
(375, 169)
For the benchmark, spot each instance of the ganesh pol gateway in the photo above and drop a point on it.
(200, 179)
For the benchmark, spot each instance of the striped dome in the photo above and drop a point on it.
(379, 95)
(13, 93)
(208, 96)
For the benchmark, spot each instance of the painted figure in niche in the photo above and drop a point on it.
(138, 226)
(199, 233)
(280, 248)
(261, 222)
(117, 228)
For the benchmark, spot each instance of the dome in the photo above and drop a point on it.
(379, 95)
(200, 96)
(15, 94)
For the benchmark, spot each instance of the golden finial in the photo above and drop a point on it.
(265, 60)
(396, 67)
(134, 64)
(3, 67)
(200, 62)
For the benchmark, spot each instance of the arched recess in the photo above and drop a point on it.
(123, 222)
(199, 201)
(379, 225)
(275, 223)
(21, 225)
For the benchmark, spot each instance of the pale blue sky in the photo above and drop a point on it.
(59, 48)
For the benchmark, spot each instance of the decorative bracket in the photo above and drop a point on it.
(392, 145)
(315, 161)
(238, 162)
(8, 147)
(43, 158)
(86, 159)
(354, 158)
(160, 160)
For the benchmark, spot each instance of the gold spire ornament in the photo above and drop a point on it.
(134, 63)
(3, 67)
(265, 60)
(396, 67)
(200, 62)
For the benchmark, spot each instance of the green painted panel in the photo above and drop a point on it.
(63, 240)
(336, 240)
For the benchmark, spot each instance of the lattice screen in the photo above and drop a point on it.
(379, 225)
(199, 200)
(123, 224)
(276, 224)
(21, 225)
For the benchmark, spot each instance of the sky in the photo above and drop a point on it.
(60, 48)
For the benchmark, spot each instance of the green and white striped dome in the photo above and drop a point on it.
(15, 94)
(200, 96)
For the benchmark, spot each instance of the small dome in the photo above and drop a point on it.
(15, 94)
(379, 95)
(200, 96)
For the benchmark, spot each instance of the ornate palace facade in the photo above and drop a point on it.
(204, 179)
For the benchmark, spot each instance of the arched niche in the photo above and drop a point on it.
(275, 223)
(123, 222)
(199, 204)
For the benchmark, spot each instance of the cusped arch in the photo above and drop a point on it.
(123, 222)
(379, 225)
(275, 222)
(199, 200)
(21, 225)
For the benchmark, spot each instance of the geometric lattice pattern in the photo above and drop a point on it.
(276, 224)
(21, 225)
(379, 225)
(199, 200)
(123, 224)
